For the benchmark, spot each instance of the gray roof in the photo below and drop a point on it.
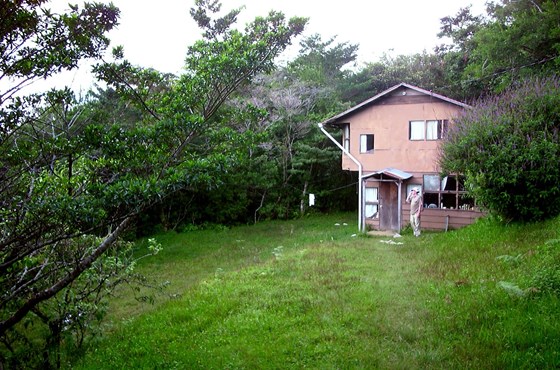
(391, 172)
(380, 95)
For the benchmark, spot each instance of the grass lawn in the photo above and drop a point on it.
(314, 293)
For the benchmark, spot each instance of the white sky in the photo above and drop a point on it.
(157, 33)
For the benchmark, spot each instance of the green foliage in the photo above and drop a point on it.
(226, 58)
(507, 146)
(293, 158)
(423, 70)
(163, 148)
(513, 41)
(455, 57)
(58, 327)
(280, 157)
(323, 62)
(546, 279)
(521, 39)
(36, 43)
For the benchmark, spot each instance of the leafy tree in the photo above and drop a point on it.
(323, 62)
(515, 40)
(68, 173)
(56, 201)
(289, 126)
(441, 71)
(134, 94)
(295, 154)
(522, 39)
(456, 56)
(271, 116)
(424, 70)
(283, 156)
(508, 146)
(325, 65)
(36, 43)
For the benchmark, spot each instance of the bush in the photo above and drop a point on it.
(507, 146)
(547, 274)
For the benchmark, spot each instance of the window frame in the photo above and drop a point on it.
(430, 129)
(418, 136)
(371, 203)
(426, 131)
(346, 137)
(449, 193)
(365, 147)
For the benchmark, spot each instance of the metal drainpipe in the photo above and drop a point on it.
(360, 215)
(399, 206)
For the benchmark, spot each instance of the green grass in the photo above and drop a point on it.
(310, 294)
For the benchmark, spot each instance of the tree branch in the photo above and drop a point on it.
(66, 280)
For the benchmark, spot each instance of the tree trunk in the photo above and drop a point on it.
(302, 202)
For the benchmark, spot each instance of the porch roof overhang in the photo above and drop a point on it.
(391, 173)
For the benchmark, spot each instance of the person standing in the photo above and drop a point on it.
(415, 200)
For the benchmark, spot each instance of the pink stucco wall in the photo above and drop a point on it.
(389, 122)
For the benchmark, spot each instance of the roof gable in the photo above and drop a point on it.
(386, 93)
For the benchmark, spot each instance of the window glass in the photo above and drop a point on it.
(449, 200)
(347, 137)
(416, 130)
(371, 198)
(371, 211)
(431, 182)
(409, 187)
(465, 202)
(449, 183)
(444, 127)
(432, 130)
(446, 193)
(371, 195)
(366, 143)
(461, 182)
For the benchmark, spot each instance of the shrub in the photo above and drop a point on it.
(546, 278)
(507, 146)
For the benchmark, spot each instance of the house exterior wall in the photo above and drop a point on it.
(431, 219)
(388, 121)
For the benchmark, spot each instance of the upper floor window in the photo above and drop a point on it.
(346, 137)
(427, 130)
(366, 143)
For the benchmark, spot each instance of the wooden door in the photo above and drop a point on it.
(389, 208)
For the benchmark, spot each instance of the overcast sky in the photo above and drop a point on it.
(157, 33)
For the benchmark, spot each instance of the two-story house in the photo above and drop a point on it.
(392, 141)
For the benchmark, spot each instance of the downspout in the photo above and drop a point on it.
(399, 207)
(360, 214)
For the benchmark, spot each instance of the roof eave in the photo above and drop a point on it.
(333, 120)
